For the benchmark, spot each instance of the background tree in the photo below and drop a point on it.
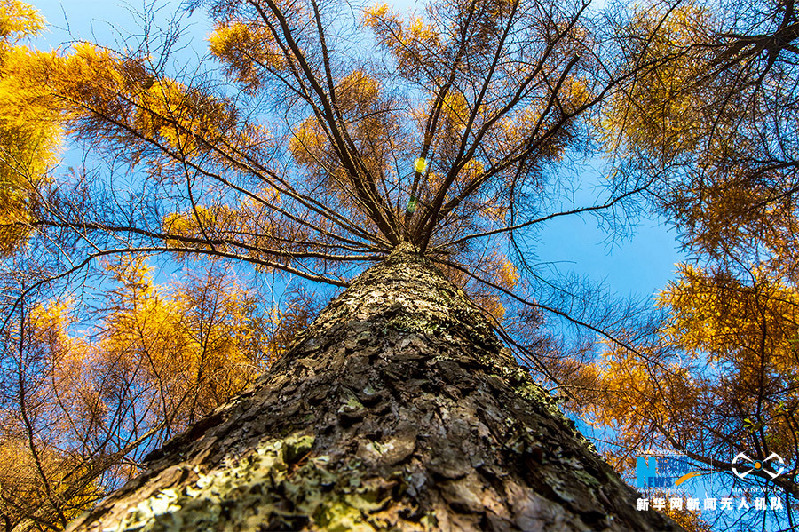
(82, 410)
(713, 118)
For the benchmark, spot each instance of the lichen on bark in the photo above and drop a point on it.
(397, 409)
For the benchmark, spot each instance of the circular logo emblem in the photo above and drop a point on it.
(742, 465)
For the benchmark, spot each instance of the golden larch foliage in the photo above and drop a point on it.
(659, 115)
(29, 125)
(245, 48)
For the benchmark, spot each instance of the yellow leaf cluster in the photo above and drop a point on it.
(491, 304)
(26, 504)
(663, 116)
(521, 122)
(494, 211)
(89, 79)
(497, 268)
(308, 143)
(99, 93)
(357, 92)
(412, 43)
(726, 342)
(719, 316)
(419, 31)
(472, 169)
(500, 270)
(177, 352)
(218, 226)
(357, 96)
(574, 93)
(18, 20)
(246, 49)
(29, 123)
(201, 218)
(526, 123)
(370, 124)
(169, 111)
(629, 392)
(199, 344)
(49, 323)
(455, 112)
(508, 274)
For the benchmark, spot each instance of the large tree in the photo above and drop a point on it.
(331, 138)
(397, 409)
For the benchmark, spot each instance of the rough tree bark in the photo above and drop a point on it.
(397, 409)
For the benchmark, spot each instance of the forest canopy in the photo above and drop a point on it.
(169, 223)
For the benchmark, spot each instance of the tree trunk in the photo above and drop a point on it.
(398, 408)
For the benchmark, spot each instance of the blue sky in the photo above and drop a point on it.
(639, 265)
